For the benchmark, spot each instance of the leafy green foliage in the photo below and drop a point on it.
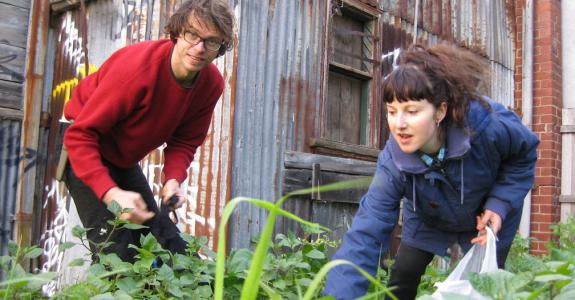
(20, 284)
(293, 267)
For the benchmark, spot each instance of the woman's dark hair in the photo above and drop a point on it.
(438, 74)
(216, 11)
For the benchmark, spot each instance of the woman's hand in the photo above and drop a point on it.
(487, 218)
(171, 188)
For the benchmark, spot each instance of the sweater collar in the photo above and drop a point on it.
(457, 146)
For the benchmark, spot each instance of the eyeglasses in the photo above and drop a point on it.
(193, 38)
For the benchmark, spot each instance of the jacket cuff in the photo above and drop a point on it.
(497, 206)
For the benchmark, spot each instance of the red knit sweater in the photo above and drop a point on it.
(133, 105)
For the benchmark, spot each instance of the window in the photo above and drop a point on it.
(351, 114)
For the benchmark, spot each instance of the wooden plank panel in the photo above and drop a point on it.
(342, 112)
(13, 25)
(296, 179)
(303, 206)
(19, 3)
(335, 216)
(350, 110)
(347, 40)
(332, 115)
(301, 160)
(12, 63)
(10, 95)
(11, 114)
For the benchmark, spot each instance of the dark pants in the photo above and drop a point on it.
(406, 272)
(94, 214)
(410, 264)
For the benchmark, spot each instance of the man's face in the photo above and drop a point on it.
(191, 52)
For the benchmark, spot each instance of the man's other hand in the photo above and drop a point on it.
(171, 188)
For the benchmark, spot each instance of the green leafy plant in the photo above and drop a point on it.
(20, 284)
(285, 267)
(252, 282)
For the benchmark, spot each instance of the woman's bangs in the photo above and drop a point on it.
(405, 84)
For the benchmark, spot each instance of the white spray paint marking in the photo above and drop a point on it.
(73, 42)
(394, 55)
(55, 235)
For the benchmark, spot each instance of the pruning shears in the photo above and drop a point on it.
(166, 208)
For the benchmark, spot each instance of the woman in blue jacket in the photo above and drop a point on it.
(459, 161)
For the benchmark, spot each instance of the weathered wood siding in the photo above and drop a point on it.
(14, 16)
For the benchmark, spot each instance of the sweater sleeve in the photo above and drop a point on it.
(104, 107)
(369, 234)
(181, 147)
(516, 146)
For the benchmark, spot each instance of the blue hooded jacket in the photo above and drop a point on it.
(490, 165)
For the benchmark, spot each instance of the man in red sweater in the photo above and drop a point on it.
(143, 96)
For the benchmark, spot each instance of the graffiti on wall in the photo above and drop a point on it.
(64, 88)
(67, 74)
(5, 70)
(55, 234)
(12, 160)
(71, 41)
(389, 60)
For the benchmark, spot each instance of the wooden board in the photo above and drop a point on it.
(12, 63)
(13, 25)
(343, 115)
(19, 3)
(301, 160)
(11, 114)
(296, 179)
(10, 95)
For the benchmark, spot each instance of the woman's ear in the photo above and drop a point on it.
(441, 112)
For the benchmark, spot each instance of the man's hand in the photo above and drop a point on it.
(170, 188)
(488, 218)
(128, 199)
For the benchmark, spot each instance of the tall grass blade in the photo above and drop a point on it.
(316, 282)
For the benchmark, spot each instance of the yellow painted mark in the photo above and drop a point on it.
(65, 87)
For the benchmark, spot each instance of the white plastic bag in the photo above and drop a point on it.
(479, 259)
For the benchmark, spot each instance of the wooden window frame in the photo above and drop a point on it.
(322, 145)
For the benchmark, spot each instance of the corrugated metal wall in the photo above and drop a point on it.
(9, 160)
(485, 27)
(281, 69)
(280, 72)
(67, 63)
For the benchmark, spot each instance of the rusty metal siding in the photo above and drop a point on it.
(9, 159)
(113, 24)
(278, 90)
(271, 119)
(66, 63)
(485, 27)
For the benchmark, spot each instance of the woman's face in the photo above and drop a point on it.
(414, 125)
